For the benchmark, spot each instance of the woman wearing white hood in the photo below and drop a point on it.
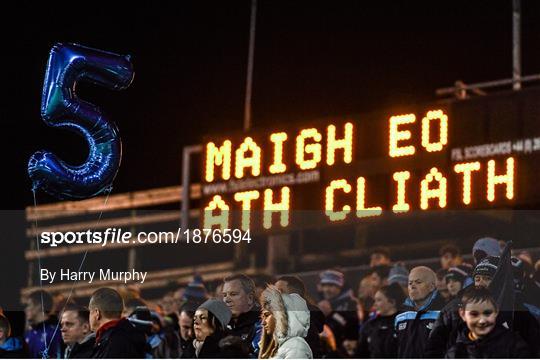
(285, 321)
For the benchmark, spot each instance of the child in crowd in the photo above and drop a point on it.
(480, 336)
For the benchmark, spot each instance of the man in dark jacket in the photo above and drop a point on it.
(185, 322)
(75, 329)
(421, 310)
(340, 308)
(245, 329)
(116, 337)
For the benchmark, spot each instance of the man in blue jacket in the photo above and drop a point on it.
(421, 310)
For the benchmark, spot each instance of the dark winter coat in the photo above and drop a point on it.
(343, 320)
(377, 338)
(119, 339)
(500, 343)
(414, 326)
(444, 331)
(210, 348)
(525, 324)
(214, 348)
(316, 326)
(247, 329)
(187, 351)
(84, 349)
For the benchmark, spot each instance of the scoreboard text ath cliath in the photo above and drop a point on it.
(481, 153)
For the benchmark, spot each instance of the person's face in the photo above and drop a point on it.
(73, 329)
(168, 304)
(482, 281)
(377, 259)
(441, 286)
(366, 289)
(376, 281)
(94, 318)
(447, 261)
(419, 286)
(32, 311)
(480, 317)
(186, 326)
(453, 286)
(330, 291)
(268, 321)
(282, 286)
(236, 298)
(201, 325)
(383, 305)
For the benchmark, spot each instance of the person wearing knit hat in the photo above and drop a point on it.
(141, 319)
(400, 275)
(339, 307)
(195, 291)
(209, 324)
(458, 278)
(485, 271)
(485, 247)
(333, 277)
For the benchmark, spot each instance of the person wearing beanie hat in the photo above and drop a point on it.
(209, 324)
(195, 291)
(400, 275)
(458, 278)
(141, 319)
(485, 271)
(339, 307)
(333, 277)
(485, 247)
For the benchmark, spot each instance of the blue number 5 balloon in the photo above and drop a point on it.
(61, 108)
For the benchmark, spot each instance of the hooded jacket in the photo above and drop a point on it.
(414, 326)
(292, 325)
(499, 343)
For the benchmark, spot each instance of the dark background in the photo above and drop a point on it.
(312, 60)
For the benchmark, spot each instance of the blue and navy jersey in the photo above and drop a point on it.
(412, 327)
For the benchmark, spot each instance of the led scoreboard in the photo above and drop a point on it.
(481, 153)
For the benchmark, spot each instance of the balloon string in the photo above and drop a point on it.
(44, 354)
(108, 190)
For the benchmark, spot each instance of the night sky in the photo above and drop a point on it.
(312, 60)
